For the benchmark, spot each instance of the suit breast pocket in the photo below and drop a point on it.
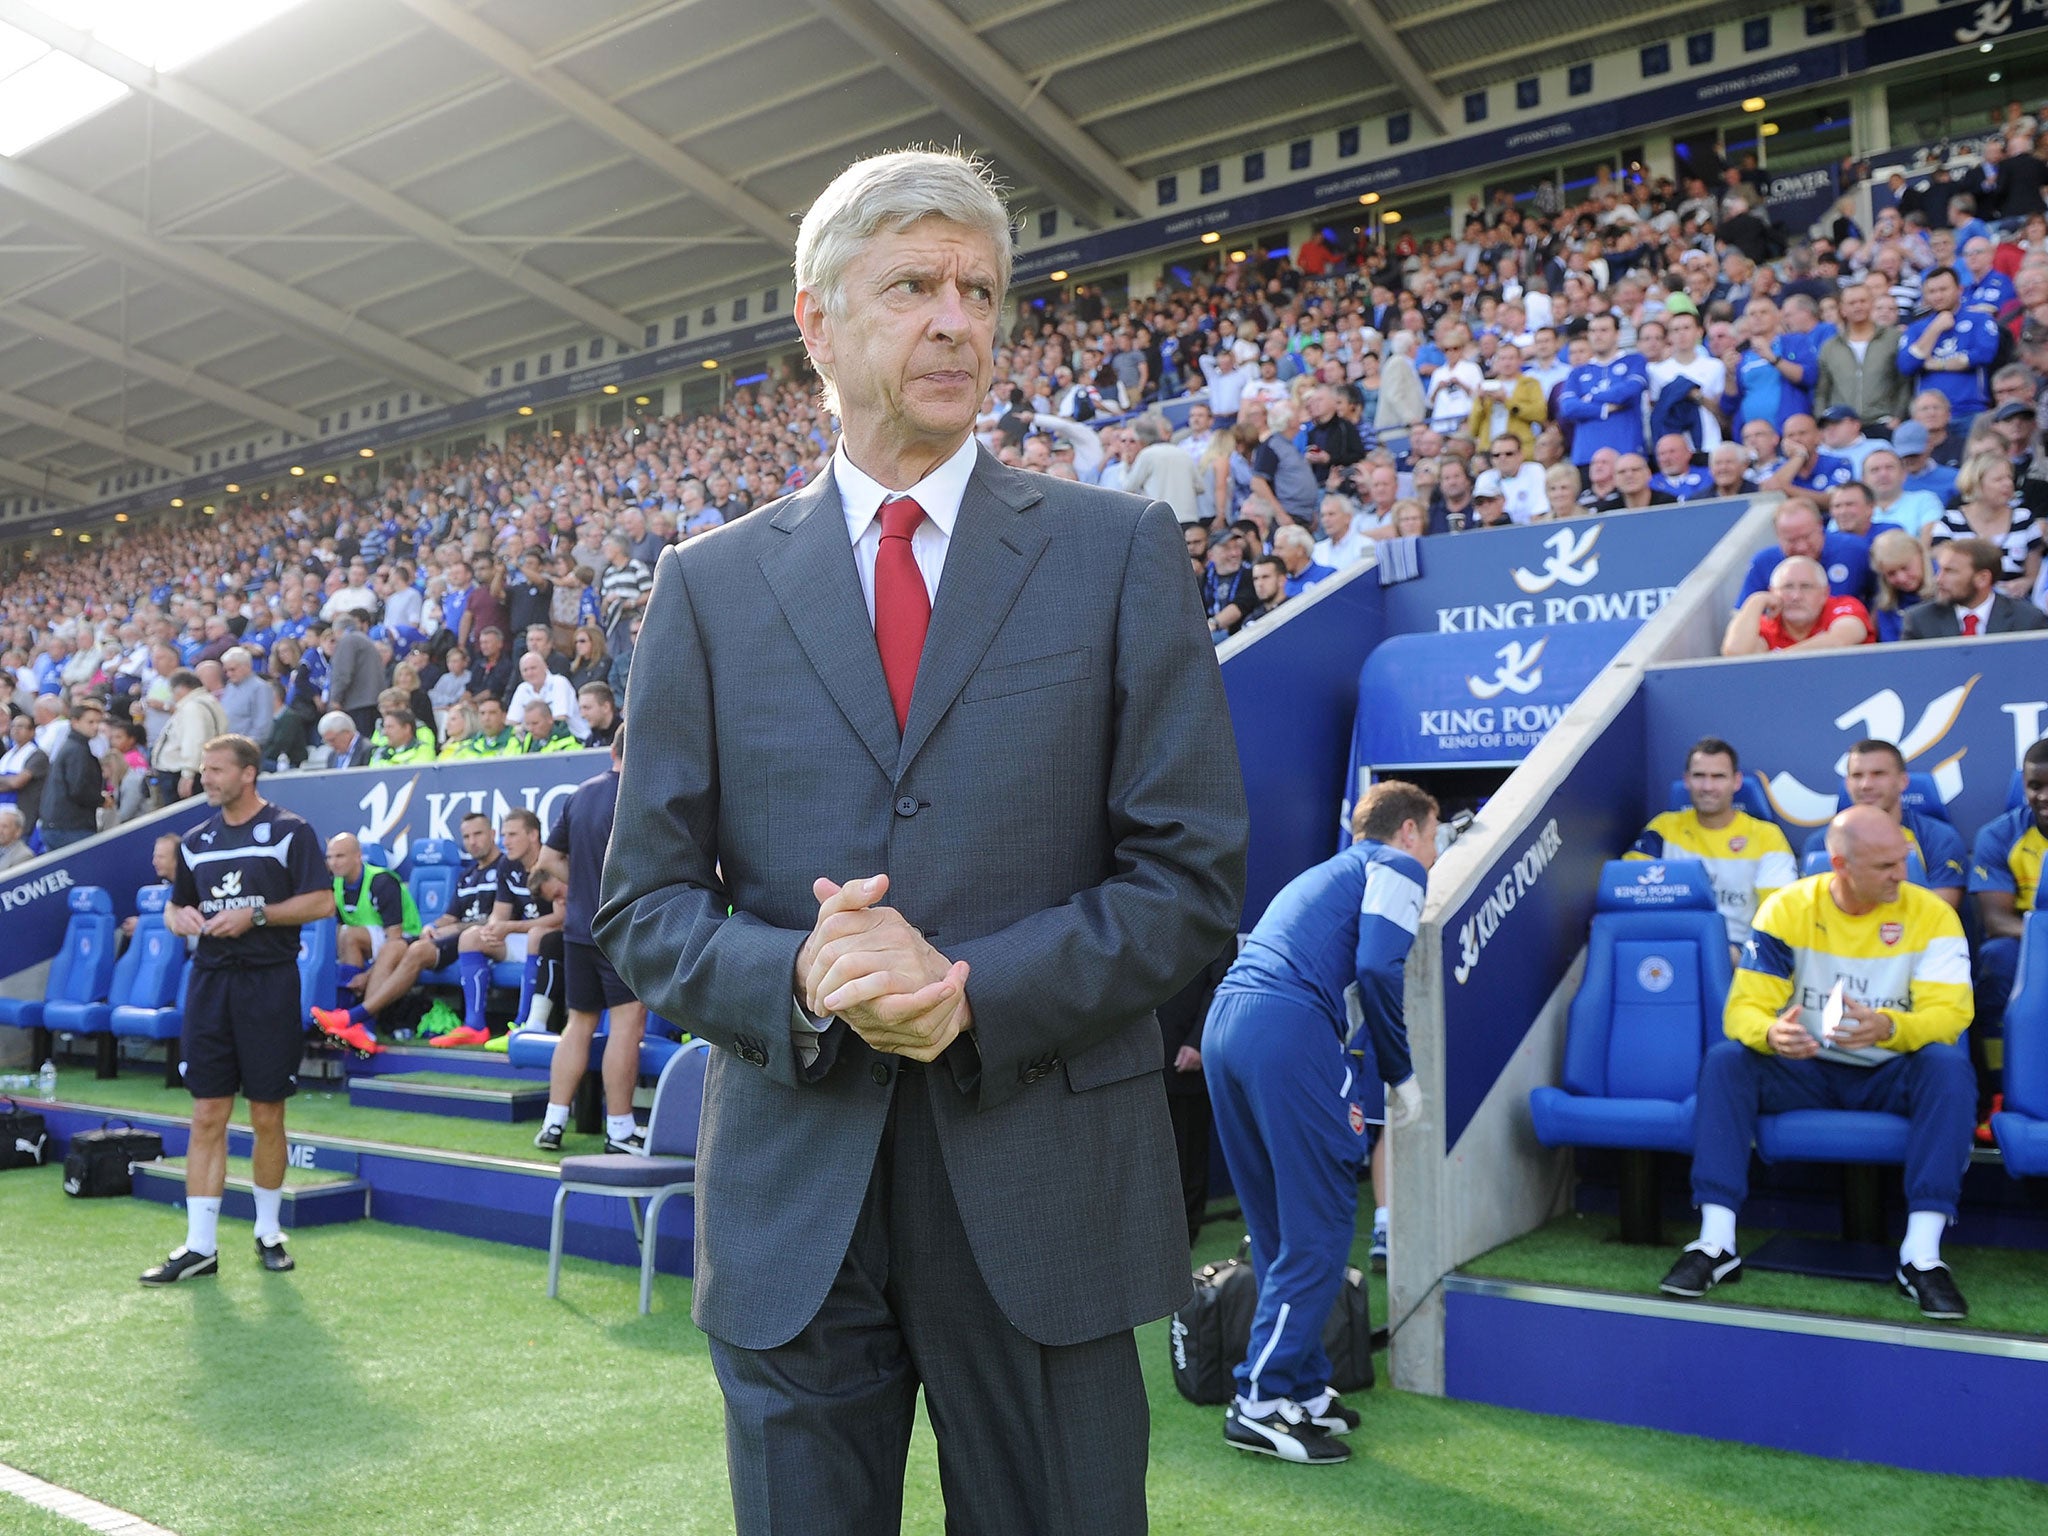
(1026, 676)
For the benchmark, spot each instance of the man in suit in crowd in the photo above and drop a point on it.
(347, 747)
(355, 674)
(1966, 600)
(935, 1147)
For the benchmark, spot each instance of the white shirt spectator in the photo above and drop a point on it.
(1354, 548)
(1226, 386)
(557, 694)
(1265, 391)
(1522, 493)
(1162, 472)
(405, 607)
(1709, 372)
(348, 600)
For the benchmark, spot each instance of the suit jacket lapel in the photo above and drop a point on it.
(994, 547)
(815, 581)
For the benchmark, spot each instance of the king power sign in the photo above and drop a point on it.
(1619, 568)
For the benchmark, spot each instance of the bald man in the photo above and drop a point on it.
(370, 900)
(1851, 994)
(1796, 612)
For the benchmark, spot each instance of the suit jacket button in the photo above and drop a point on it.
(907, 806)
(880, 1073)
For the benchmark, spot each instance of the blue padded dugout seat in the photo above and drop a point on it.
(166, 1024)
(1749, 796)
(1656, 984)
(146, 976)
(1920, 794)
(81, 972)
(2021, 1128)
(434, 863)
(316, 968)
(1815, 862)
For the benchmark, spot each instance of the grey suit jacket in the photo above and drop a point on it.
(1064, 811)
(355, 674)
(1936, 620)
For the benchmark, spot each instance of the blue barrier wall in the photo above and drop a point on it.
(1293, 690)
(1592, 570)
(1503, 953)
(1962, 711)
(392, 806)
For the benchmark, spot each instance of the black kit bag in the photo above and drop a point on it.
(23, 1141)
(1208, 1336)
(97, 1164)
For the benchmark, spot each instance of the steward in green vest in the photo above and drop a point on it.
(497, 738)
(544, 733)
(367, 899)
(405, 741)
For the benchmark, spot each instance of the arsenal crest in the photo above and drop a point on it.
(1891, 933)
(1357, 1120)
(1737, 844)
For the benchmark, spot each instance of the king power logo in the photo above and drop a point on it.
(1924, 744)
(1571, 561)
(1517, 673)
(230, 886)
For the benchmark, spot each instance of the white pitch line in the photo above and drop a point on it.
(89, 1513)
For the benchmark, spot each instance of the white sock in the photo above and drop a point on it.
(1922, 1247)
(269, 1206)
(1717, 1228)
(556, 1117)
(620, 1127)
(1380, 1220)
(202, 1223)
(538, 1012)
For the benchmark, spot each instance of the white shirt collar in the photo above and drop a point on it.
(939, 493)
(1982, 610)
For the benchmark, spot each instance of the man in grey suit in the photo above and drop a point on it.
(931, 799)
(1967, 600)
(355, 674)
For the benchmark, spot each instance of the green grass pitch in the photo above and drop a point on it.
(409, 1382)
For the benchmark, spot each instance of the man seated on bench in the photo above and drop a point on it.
(456, 932)
(1935, 855)
(1890, 958)
(520, 913)
(1746, 859)
(376, 911)
(2005, 877)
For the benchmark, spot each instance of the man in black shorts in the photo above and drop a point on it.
(520, 914)
(454, 933)
(247, 878)
(576, 850)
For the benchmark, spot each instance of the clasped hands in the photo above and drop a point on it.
(866, 965)
(1861, 1025)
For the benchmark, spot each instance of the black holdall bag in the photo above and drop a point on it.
(23, 1141)
(1209, 1335)
(98, 1162)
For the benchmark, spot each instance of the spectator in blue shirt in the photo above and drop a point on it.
(1602, 398)
(1841, 436)
(1950, 348)
(1909, 442)
(1984, 286)
(1677, 476)
(1815, 469)
(1843, 556)
(1296, 548)
(1935, 855)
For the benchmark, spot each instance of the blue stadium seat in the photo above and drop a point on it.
(1749, 796)
(2016, 790)
(316, 968)
(1815, 862)
(377, 854)
(2022, 1126)
(1920, 794)
(166, 1024)
(146, 976)
(433, 865)
(82, 970)
(1655, 987)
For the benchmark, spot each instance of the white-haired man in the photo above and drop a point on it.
(1796, 612)
(994, 704)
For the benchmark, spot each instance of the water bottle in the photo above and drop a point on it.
(46, 1081)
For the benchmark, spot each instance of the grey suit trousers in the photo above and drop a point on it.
(818, 1429)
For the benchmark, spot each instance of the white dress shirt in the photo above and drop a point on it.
(939, 493)
(1982, 611)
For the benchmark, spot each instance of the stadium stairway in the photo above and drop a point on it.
(450, 1093)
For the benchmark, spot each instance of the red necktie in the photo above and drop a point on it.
(903, 608)
(1969, 623)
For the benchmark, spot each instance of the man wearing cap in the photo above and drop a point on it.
(1923, 474)
(1841, 436)
(1489, 506)
(1859, 364)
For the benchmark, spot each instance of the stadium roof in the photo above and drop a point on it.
(218, 213)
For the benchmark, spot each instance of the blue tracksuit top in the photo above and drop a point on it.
(1604, 404)
(1975, 336)
(1348, 921)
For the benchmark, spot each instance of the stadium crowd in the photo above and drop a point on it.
(1645, 343)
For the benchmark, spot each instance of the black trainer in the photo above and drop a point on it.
(183, 1264)
(1934, 1291)
(273, 1255)
(549, 1138)
(1335, 1418)
(1286, 1433)
(634, 1145)
(1699, 1269)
